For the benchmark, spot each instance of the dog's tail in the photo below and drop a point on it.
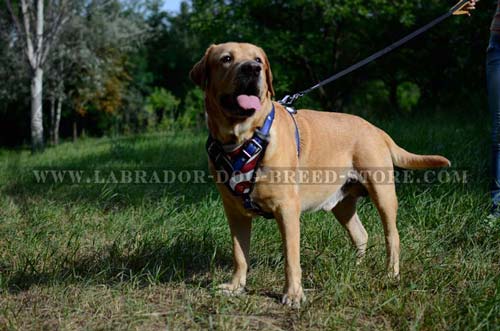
(404, 159)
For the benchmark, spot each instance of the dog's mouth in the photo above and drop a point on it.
(242, 103)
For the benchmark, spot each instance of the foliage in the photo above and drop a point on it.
(326, 36)
(162, 106)
(408, 96)
(371, 97)
(132, 47)
(194, 114)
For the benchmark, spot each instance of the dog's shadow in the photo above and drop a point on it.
(153, 263)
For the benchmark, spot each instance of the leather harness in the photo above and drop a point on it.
(237, 165)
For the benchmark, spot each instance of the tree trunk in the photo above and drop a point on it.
(126, 121)
(393, 95)
(324, 99)
(58, 119)
(36, 111)
(52, 118)
(75, 130)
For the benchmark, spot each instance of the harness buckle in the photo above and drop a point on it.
(259, 146)
(246, 154)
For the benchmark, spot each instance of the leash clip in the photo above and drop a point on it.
(288, 100)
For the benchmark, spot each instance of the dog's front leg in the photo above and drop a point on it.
(288, 218)
(241, 227)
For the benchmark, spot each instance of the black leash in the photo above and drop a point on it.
(288, 100)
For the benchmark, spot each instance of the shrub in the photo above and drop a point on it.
(194, 113)
(408, 95)
(161, 106)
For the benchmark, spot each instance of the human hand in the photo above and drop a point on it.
(465, 10)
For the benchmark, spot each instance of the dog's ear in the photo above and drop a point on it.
(269, 76)
(199, 73)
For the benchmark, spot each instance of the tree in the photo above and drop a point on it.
(89, 68)
(110, 55)
(38, 31)
(55, 85)
(110, 34)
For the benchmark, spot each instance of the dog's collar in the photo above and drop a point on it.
(237, 166)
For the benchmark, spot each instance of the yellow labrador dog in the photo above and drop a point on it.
(237, 81)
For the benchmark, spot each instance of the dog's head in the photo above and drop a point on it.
(236, 78)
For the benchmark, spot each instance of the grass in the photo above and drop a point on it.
(126, 257)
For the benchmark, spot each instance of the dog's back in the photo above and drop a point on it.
(344, 135)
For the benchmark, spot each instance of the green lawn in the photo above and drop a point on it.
(147, 257)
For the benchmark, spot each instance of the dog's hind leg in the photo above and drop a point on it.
(384, 197)
(345, 212)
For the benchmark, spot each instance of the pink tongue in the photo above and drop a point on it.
(248, 102)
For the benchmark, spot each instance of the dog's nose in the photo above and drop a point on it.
(251, 68)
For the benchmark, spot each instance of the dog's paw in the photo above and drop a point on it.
(230, 290)
(294, 298)
(393, 277)
(360, 259)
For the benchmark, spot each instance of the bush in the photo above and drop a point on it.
(194, 113)
(161, 107)
(371, 97)
(408, 95)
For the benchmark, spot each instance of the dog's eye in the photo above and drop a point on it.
(226, 59)
(258, 59)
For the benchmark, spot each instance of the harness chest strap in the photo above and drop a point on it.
(237, 165)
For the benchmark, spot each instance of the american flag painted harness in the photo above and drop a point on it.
(237, 165)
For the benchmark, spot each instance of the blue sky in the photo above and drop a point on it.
(172, 5)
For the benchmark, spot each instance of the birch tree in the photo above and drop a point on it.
(37, 29)
(55, 88)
